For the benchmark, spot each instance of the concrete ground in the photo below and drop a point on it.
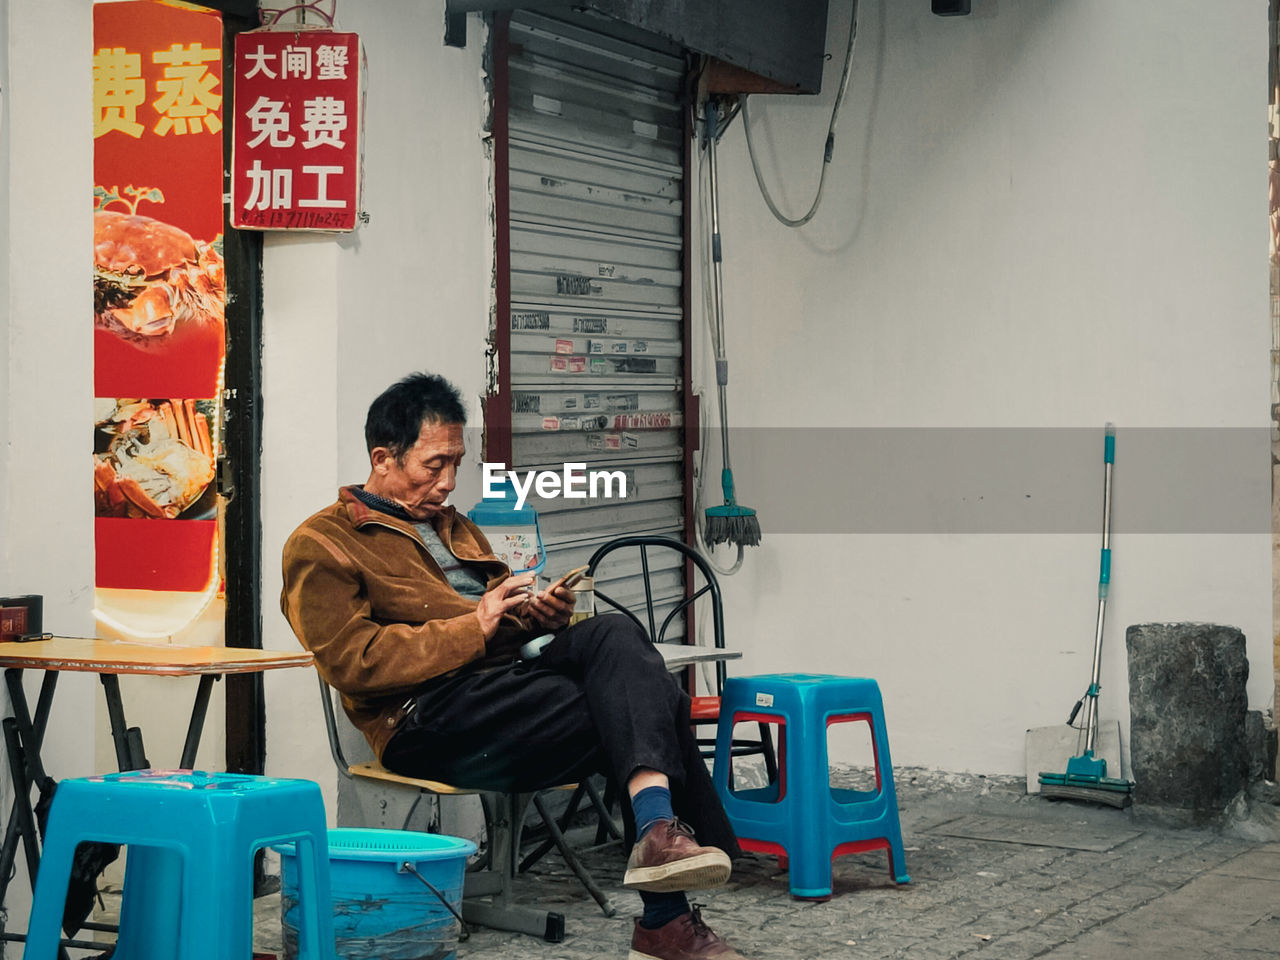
(996, 874)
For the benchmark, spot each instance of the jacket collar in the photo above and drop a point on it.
(362, 515)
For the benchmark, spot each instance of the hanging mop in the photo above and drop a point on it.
(1086, 777)
(729, 523)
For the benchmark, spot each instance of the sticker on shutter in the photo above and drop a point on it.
(537, 320)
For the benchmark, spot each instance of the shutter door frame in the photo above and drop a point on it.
(498, 396)
(499, 420)
(590, 182)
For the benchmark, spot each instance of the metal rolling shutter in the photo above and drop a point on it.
(596, 179)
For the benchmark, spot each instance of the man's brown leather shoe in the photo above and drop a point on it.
(667, 859)
(684, 938)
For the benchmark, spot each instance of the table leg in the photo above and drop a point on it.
(22, 803)
(22, 716)
(17, 733)
(23, 738)
(196, 725)
(128, 740)
(18, 763)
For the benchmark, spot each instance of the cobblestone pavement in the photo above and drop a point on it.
(1068, 879)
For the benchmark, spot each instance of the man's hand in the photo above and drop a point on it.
(506, 597)
(551, 610)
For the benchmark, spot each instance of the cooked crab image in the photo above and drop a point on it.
(150, 276)
(158, 462)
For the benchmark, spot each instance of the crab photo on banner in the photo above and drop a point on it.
(159, 293)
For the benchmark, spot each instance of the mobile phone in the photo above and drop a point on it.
(569, 579)
(28, 637)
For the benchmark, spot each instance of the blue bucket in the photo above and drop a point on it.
(381, 910)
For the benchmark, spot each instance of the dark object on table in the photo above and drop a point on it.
(21, 615)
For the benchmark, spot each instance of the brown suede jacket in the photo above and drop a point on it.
(363, 594)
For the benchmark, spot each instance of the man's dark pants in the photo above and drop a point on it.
(598, 700)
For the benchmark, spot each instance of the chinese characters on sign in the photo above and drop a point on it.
(296, 155)
(186, 102)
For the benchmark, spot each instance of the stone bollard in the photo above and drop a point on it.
(1187, 706)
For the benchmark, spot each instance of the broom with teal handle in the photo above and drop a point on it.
(729, 523)
(1086, 775)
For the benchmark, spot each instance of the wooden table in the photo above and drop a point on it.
(90, 655)
(24, 732)
(110, 658)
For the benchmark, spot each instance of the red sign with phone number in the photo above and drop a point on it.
(296, 137)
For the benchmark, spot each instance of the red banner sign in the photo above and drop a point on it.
(296, 155)
(158, 292)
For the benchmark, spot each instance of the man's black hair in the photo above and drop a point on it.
(396, 417)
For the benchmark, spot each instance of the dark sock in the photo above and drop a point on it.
(649, 806)
(661, 908)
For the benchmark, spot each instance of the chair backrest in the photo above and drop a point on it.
(334, 725)
(655, 631)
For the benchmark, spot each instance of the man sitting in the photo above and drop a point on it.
(418, 625)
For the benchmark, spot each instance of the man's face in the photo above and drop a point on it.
(422, 478)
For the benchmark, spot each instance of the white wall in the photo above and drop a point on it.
(345, 317)
(46, 235)
(1044, 215)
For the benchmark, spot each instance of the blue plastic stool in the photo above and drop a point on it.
(801, 818)
(188, 883)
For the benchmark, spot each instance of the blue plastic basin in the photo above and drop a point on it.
(380, 910)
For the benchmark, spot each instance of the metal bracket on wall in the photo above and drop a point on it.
(455, 14)
(455, 26)
(766, 46)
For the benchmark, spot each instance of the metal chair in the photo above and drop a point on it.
(504, 816)
(680, 597)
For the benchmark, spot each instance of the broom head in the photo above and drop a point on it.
(732, 524)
